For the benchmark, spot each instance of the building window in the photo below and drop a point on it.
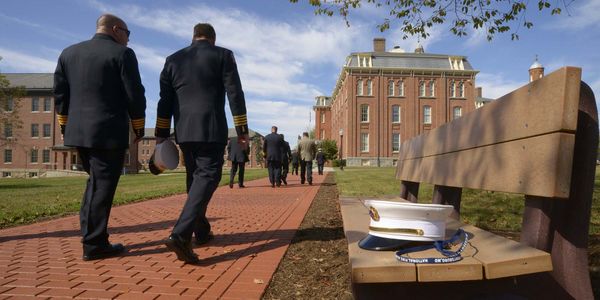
(426, 114)
(6, 174)
(395, 114)
(35, 104)
(322, 134)
(390, 88)
(33, 174)
(34, 155)
(461, 90)
(364, 142)
(401, 88)
(47, 104)
(322, 117)
(457, 112)
(7, 156)
(364, 113)
(432, 89)
(453, 89)
(10, 105)
(46, 156)
(395, 142)
(8, 131)
(359, 88)
(422, 89)
(35, 130)
(46, 130)
(369, 88)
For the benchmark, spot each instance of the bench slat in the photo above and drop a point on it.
(538, 166)
(502, 257)
(543, 106)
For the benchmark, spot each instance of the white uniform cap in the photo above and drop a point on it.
(166, 156)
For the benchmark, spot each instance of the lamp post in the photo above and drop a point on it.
(341, 144)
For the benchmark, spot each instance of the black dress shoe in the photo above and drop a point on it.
(231, 185)
(104, 252)
(310, 183)
(242, 186)
(284, 181)
(182, 248)
(204, 240)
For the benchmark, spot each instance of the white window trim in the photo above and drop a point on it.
(368, 113)
(399, 114)
(425, 121)
(362, 142)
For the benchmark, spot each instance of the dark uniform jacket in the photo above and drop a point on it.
(273, 146)
(295, 157)
(286, 152)
(97, 91)
(235, 153)
(320, 158)
(193, 84)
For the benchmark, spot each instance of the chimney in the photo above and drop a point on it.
(378, 45)
(479, 91)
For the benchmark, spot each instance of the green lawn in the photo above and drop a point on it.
(28, 200)
(487, 210)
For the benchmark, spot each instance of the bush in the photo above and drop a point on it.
(338, 163)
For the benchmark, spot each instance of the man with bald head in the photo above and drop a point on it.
(98, 94)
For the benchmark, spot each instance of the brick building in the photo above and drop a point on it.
(37, 148)
(385, 97)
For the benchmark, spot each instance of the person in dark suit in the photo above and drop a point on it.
(238, 158)
(272, 147)
(286, 153)
(295, 162)
(320, 157)
(193, 84)
(98, 93)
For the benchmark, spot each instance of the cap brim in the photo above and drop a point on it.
(375, 243)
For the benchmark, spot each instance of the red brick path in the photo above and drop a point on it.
(253, 228)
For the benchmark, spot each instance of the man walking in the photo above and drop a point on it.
(272, 147)
(285, 159)
(193, 84)
(320, 161)
(238, 157)
(295, 162)
(307, 149)
(98, 91)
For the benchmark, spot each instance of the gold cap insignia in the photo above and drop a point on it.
(373, 213)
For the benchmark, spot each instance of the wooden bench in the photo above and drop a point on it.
(540, 141)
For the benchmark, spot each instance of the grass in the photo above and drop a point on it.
(25, 201)
(486, 210)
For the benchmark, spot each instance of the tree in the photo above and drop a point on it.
(9, 107)
(258, 150)
(417, 17)
(329, 148)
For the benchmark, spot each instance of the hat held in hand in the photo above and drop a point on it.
(165, 156)
(395, 225)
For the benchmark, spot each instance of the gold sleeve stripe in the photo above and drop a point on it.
(239, 117)
(163, 124)
(240, 123)
(62, 119)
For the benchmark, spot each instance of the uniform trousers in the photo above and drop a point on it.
(295, 168)
(274, 168)
(235, 166)
(285, 168)
(203, 165)
(104, 167)
(320, 168)
(306, 171)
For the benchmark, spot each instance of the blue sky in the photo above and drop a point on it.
(286, 55)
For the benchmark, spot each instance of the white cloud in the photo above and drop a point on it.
(19, 62)
(291, 119)
(149, 57)
(272, 56)
(497, 85)
(583, 15)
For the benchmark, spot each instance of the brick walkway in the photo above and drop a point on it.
(253, 228)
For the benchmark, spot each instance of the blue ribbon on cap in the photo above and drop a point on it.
(440, 246)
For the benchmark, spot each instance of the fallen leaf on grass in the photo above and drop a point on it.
(323, 250)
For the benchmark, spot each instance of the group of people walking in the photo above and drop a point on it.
(99, 95)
